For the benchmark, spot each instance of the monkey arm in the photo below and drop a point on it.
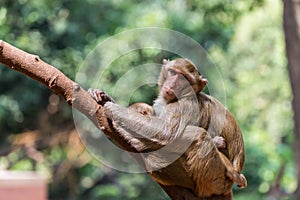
(149, 127)
(140, 144)
(152, 132)
(141, 131)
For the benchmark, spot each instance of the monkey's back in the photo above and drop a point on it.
(219, 121)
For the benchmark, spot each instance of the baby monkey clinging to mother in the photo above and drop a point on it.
(184, 122)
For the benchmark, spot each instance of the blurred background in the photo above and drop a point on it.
(244, 39)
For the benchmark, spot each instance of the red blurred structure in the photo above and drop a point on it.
(16, 185)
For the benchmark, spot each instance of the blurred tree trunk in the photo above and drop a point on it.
(291, 24)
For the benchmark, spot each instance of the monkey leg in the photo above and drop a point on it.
(211, 170)
(240, 179)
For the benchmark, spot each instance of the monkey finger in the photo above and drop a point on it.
(105, 98)
(100, 96)
(96, 94)
(219, 142)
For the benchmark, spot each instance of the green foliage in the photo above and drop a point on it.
(258, 93)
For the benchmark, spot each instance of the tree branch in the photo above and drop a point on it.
(32, 66)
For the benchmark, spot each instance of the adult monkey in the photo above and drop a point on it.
(176, 130)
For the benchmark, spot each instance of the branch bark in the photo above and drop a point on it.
(32, 66)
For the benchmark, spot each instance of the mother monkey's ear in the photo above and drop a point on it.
(165, 61)
(202, 83)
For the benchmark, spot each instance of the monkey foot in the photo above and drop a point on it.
(240, 179)
(243, 183)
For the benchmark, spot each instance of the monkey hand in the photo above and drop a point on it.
(219, 142)
(100, 96)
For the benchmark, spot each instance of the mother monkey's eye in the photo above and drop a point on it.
(171, 72)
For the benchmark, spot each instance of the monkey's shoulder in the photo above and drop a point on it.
(218, 113)
(210, 101)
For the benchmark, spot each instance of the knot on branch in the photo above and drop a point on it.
(52, 82)
(36, 58)
(76, 87)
